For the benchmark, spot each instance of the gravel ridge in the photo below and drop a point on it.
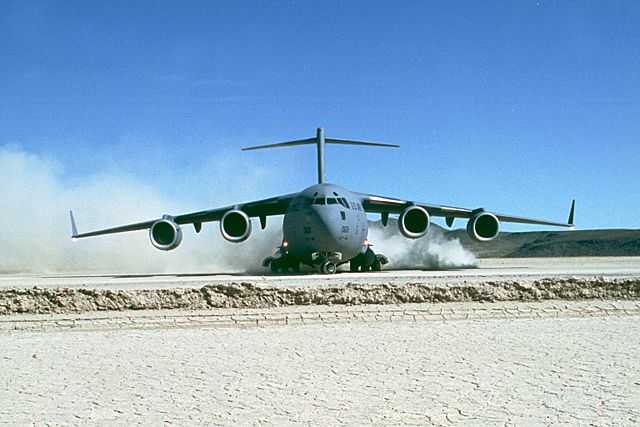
(249, 295)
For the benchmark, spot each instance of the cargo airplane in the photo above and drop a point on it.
(324, 225)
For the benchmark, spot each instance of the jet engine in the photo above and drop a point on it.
(483, 227)
(414, 222)
(235, 226)
(165, 234)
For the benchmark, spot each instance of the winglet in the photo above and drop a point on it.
(74, 229)
(572, 212)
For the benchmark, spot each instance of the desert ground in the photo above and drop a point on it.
(522, 269)
(517, 356)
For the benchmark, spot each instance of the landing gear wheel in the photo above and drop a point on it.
(379, 262)
(367, 261)
(275, 268)
(328, 268)
(282, 264)
(279, 265)
(295, 267)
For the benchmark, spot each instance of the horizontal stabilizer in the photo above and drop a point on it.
(282, 144)
(320, 141)
(351, 142)
(310, 141)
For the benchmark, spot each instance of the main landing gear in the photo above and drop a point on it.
(367, 261)
(281, 262)
(282, 265)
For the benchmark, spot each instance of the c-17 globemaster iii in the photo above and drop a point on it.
(324, 225)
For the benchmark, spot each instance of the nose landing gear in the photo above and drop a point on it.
(328, 267)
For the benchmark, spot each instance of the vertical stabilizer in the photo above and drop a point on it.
(320, 143)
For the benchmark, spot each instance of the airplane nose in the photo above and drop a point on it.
(327, 228)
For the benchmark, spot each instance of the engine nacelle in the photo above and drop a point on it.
(165, 234)
(235, 226)
(483, 227)
(414, 222)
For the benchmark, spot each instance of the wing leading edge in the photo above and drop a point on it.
(260, 208)
(389, 205)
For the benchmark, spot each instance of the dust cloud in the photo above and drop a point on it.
(36, 198)
(434, 251)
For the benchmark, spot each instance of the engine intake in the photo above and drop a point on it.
(235, 226)
(165, 234)
(414, 222)
(483, 227)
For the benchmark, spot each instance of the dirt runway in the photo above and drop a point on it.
(514, 342)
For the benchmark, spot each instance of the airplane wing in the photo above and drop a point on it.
(260, 208)
(389, 205)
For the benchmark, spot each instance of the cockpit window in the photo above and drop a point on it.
(328, 201)
(343, 202)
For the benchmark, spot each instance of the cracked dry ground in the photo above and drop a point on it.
(474, 372)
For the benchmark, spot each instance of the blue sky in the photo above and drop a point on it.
(514, 106)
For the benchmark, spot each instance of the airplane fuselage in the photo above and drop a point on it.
(325, 222)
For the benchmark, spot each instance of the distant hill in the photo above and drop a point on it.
(612, 242)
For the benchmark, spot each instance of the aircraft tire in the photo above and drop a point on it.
(278, 265)
(376, 266)
(368, 260)
(382, 259)
(356, 263)
(295, 267)
(354, 266)
(328, 268)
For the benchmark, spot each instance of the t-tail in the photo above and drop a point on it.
(319, 140)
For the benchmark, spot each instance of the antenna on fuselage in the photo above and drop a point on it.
(320, 142)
